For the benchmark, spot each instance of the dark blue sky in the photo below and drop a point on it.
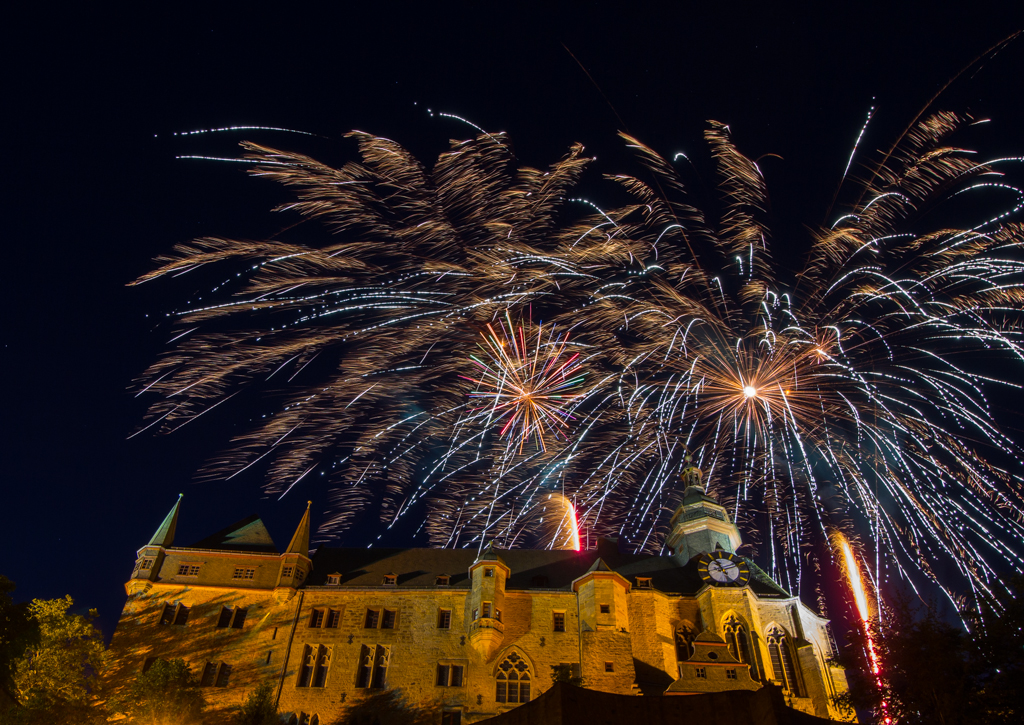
(94, 192)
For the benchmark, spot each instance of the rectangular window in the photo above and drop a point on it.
(244, 573)
(486, 612)
(188, 570)
(307, 665)
(316, 618)
(323, 665)
(389, 619)
(147, 564)
(609, 667)
(333, 580)
(606, 609)
(167, 616)
(488, 571)
(286, 572)
(223, 673)
(390, 580)
(209, 675)
(449, 675)
(365, 671)
(497, 614)
(559, 623)
(730, 674)
(444, 619)
(372, 619)
(239, 618)
(700, 673)
(300, 574)
(181, 616)
(225, 617)
(333, 618)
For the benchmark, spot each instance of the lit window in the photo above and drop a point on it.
(333, 580)
(444, 619)
(242, 572)
(442, 580)
(559, 623)
(449, 675)
(188, 570)
(513, 680)
(373, 667)
(390, 580)
(609, 667)
(606, 609)
(700, 673)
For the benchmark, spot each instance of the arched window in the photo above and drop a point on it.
(685, 634)
(739, 643)
(782, 659)
(513, 680)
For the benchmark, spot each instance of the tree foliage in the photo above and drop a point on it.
(54, 677)
(166, 693)
(259, 707)
(17, 631)
(388, 707)
(935, 671)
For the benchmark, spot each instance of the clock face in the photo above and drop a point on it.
(723, 568)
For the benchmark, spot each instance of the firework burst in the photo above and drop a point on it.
(854, 391)
(526, 385)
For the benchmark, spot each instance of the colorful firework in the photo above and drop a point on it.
(857, 385)
(526, 385)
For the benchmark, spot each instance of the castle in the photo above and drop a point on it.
(469, 633)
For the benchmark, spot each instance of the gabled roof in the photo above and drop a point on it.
(249, 534)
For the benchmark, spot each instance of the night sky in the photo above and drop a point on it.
(93, 99)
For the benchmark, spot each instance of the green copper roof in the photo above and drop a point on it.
(164, 535)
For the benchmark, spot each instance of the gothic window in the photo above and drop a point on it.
(315, 664)
(739, 643)
(782, 660)
(307, 665)
(448, 675)
(323, 665)
(559, 621)
(373, 666)
(444, 618)
(513, 680)
(685, 634)
(175, 614)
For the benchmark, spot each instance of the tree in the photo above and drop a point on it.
(259, 707)
(388, 707)
(165, 693)
(17, 631)
(55, 677)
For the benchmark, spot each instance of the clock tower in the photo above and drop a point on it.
(700, 525)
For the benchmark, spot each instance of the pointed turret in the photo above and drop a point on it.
(164, 535)
(300, 541)
(151, 556)
(700, 524)
(295, 562)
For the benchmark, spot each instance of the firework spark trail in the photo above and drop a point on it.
(869, 372)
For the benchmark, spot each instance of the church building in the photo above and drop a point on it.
(467, 633)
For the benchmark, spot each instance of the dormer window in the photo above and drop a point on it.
(442, 580)
(643, 582)
(390, 580)
(333, 580)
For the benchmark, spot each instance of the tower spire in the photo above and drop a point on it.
(164, 535)
(300, 541)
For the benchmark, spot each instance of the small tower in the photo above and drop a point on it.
(151, 556)
(295, 562)
(700, 524)
(486, 601)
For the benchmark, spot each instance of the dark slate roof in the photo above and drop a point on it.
(249, 534)
(531, 569)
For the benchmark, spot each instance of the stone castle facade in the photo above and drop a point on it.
(470, 634)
